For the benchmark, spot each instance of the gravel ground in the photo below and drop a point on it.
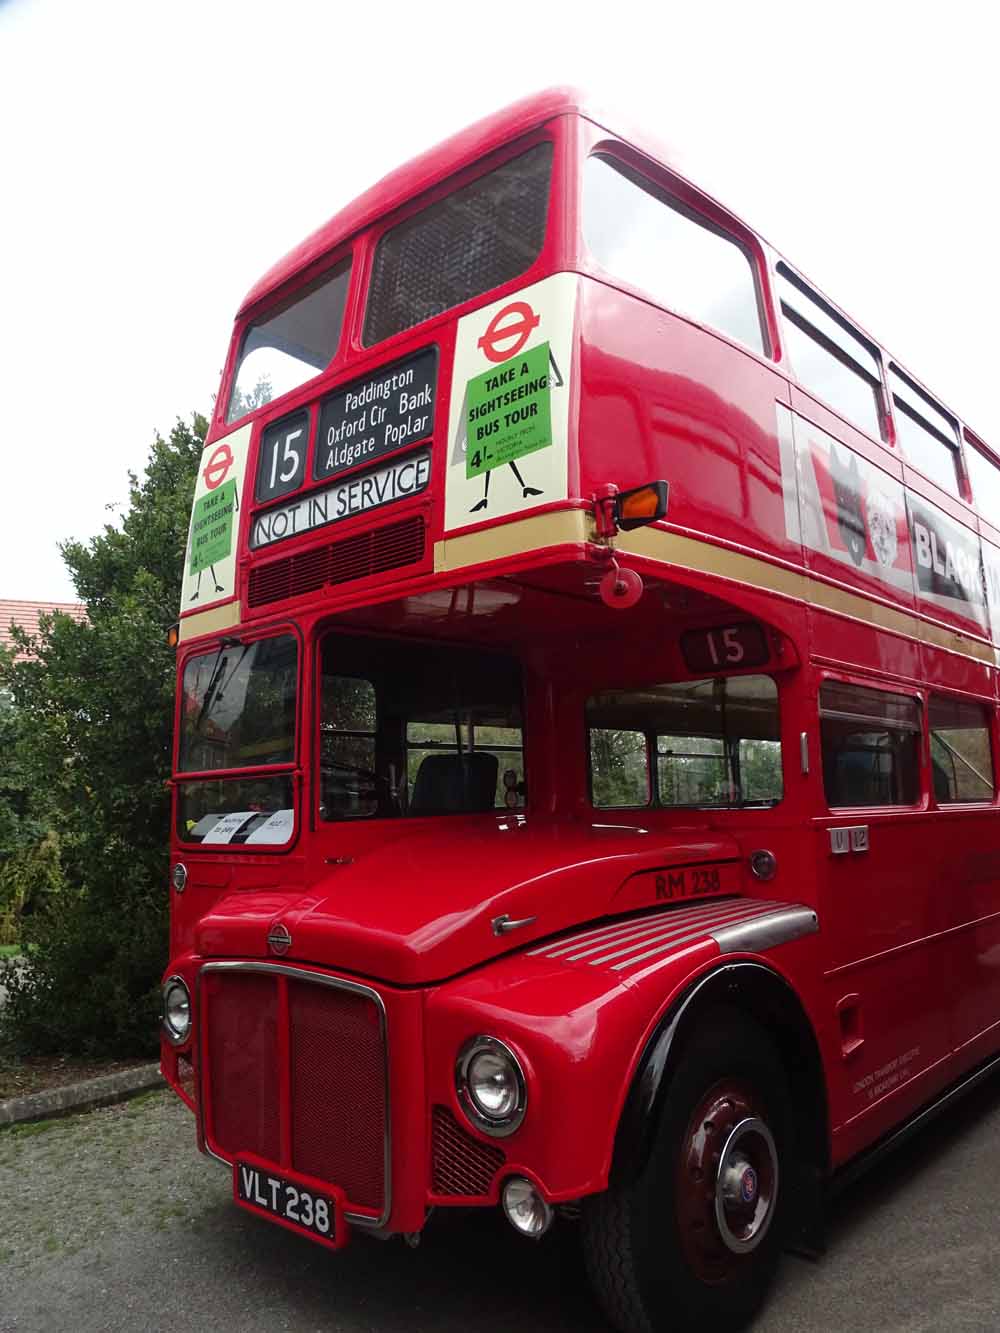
(112, 1221)
(82, 1180)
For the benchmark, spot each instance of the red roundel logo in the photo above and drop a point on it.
(218, 466)
(508, 331)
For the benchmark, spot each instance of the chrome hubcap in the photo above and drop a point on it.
(746, 1185)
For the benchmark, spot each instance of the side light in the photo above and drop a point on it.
(179, 876)
(763, 864)
(641, 505)
(525, 1209)
(174, 635)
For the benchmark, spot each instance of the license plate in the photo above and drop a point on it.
(298, 1203)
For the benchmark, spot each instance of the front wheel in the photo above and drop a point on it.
(694, 1242)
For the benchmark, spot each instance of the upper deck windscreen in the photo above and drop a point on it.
(291, 345)
(480, 236)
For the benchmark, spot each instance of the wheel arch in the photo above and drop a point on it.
(763, 995)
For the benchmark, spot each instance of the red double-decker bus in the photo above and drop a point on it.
(584, 797)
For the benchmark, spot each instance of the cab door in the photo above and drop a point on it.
(880, 915)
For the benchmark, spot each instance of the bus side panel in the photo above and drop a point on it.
(852, 512)
(663, 398)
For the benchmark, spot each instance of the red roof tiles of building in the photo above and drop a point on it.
(25, 616)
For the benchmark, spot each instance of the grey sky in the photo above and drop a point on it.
(156, 160)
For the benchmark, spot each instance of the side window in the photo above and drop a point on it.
(961, 760)
(927, 438)
(637, 232)
(619, 767)
(690, 770)
(829, 358)
(871, 745)
(716, 743)
(985, 477)
(347, 748)
(760, 770)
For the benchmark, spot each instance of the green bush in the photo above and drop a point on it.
(30, 878)
(94, 714)
(90, 986)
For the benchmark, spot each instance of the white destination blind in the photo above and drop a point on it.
(397, 480)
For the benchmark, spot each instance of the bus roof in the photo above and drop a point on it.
(421, 172)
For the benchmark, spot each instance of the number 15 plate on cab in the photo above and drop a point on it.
(297, 1202)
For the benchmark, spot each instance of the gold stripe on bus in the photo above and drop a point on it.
(554, 529)
(211, 621)
(510, 539)
(707, 558)
(695, 554)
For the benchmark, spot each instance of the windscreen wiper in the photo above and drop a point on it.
(215, 680)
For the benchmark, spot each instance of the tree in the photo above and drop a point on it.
(19, 824)
(95, 704)
(241, 403)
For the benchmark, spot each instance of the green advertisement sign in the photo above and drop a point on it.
(212, 527)
(508, 412)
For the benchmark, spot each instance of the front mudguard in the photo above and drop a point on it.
(578, 1033)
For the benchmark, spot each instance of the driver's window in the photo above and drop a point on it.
(347, 748)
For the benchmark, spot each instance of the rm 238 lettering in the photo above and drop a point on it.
(687, 883)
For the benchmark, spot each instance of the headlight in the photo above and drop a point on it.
(176, 1010)
(491, 1087)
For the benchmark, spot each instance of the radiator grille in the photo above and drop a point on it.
(337, 1132)
(243, 1058)
(332, 1119)
(461, 1164)
(356, 557)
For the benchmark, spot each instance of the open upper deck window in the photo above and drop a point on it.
(927, 437)
(639, 233)
(476, 238)
(830, 358)
(291, 345)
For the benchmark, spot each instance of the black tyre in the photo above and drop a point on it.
(694, 1241)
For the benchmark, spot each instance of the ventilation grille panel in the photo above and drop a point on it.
(358, 557)
(463, 1166)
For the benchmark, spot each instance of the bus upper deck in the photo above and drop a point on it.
(443, 378)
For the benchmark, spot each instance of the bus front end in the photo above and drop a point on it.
(485, 792)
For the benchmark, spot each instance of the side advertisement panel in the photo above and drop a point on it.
(210, 558)
(508, 423)
(861, 526)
